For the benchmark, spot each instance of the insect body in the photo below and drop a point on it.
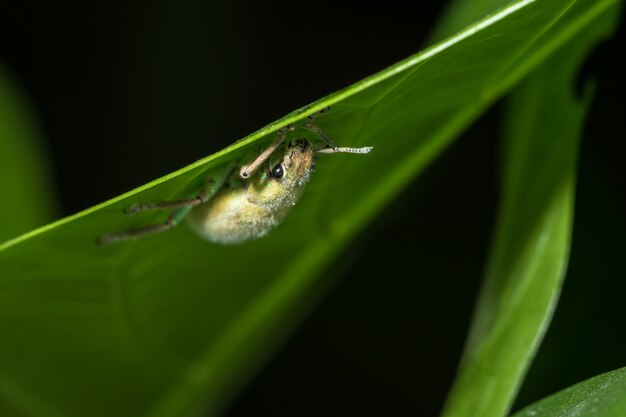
(239, 205)
(244, 210)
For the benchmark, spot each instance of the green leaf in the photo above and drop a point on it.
(532, 239)
(460, 13)
(593, 296)
(25, 187)
(169, 325)
(600, 396)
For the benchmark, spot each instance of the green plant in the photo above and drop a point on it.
(124, 310)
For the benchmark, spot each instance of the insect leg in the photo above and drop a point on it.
(183, 207)
(321, 133)
(214, 183)
(332, 146)
(134, 233)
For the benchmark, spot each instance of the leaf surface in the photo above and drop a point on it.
(531, 245)
(169, 325)
(600, 396)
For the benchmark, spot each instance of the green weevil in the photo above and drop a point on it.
(237, 205)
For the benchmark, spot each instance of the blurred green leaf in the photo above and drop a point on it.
(27, 200)
(170, 325)
(593, 294)
(531, 244)
(601, 396)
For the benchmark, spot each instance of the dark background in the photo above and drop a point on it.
(126, 93)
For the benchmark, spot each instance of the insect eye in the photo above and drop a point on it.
(278, 172)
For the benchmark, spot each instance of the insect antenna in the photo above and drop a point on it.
(341, 149)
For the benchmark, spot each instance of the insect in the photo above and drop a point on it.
(236, 205)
